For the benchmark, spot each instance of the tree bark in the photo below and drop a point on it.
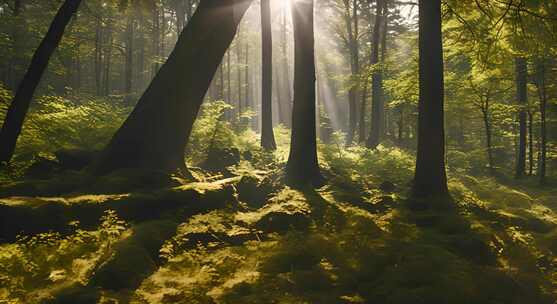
(302, 168)
(156, 132)
(20, 104)
(377, 103)
(430, 176)
(522, 99)
(267, 136)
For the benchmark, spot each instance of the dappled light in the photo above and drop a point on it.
(278, 151)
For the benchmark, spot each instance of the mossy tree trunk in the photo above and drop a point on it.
(20, 104)
(156, 132)
(303, 168)
(430, 177)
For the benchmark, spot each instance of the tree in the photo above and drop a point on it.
(155, 134)
(302, 167)
(430, 177)
(542, 93)
(377, 102)
(351, 20)
(267, 136)
(22, 99)
(522, 98)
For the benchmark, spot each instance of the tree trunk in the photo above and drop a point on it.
(363, 106)
(128, 82)
(156, 39)
(377, 103)
(488, 134)
(108, 61)
(351, 20)
(303, 168)
(20, 104)
(155, 134)
(543, 124)
(267, 136)
(239, 71)
(228, 78)
(430, 176)
(522, 98)
(530, 142)
(246, 76)
(286, 70)
(98, 56)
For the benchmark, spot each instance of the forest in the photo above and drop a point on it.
(278, 151)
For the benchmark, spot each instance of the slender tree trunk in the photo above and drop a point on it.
(128, 82)
(488, 134)
(352, 29)
(155, 134)
(221, 82)
(17, 34)
(108, 61)
(522, 98)
(239, 71)
(246, 76)
(156, 39)
(377, 103)
(141, 56)
(303, 168)
(228, 78)
(267, 136)
(430, 176)
(363, 106)
(401, 125)
(20, 104)
(530, 142)
(286, 70)
(98, 56)
(543, 123)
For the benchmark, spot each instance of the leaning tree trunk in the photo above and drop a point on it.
(522, 98)
(155, 134)
(267, 136)
(430, 177)
(20, 104)
(303, 168)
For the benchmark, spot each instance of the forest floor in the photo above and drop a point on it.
(245, 237)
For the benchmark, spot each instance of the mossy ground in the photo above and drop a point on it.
(251, 239)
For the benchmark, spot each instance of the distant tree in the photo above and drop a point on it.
(155, 134)
(430, 177)
(352, 29)
(540, 80)
(303, 168)
(267, 136)
(522, 99)
(20, 105)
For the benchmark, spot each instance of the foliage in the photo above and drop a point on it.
(39, 262)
